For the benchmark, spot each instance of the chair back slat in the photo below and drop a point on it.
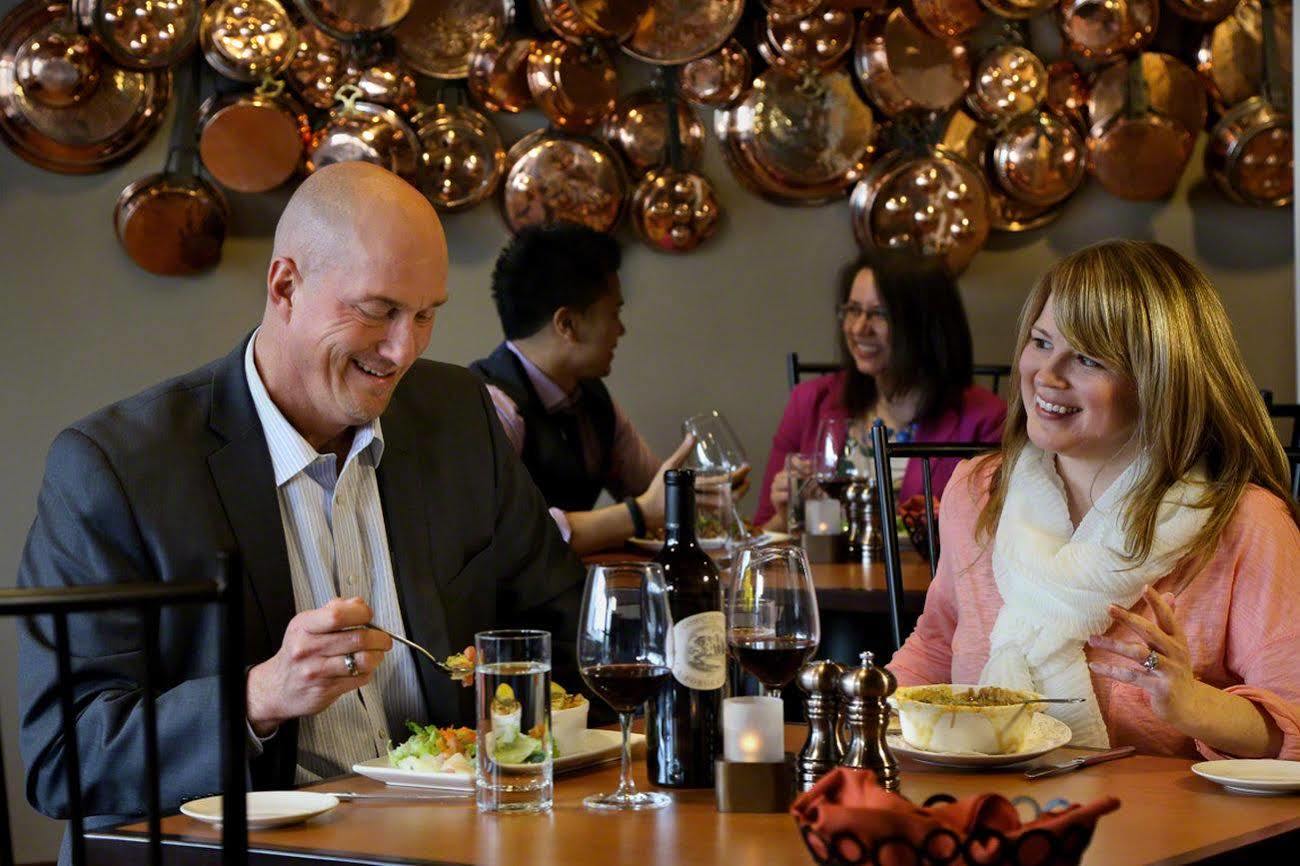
(71, 751)
(149, 614)
(234, 712)
(796, 370)
(6, 834)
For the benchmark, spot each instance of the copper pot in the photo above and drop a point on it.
(1010, 81)
(462, 155)
(436, 37)
(716, 79)
(934, 205)
(674, 210)
(1140, 153)
(146, 34)
(498, 74)
(1202, 11)
(1230, 56)
(637, 130)
(319, 67)
(1171, 87)
(671, 32)
(817, 41)
(574, 85)
(253, 142)
(1017, 9)
(554, 177)
(1098, 29)
(1067, 94)
(948, 19)
(248, 40)
(1251, 154)
(902, 67)
(1038, 159)
(349, 19)
(358, 131)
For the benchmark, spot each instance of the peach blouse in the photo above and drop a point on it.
(1241, 615)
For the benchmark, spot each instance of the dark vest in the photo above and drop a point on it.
(552, 442)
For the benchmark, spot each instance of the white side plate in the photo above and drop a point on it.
(1046, 733)
(266, 808)
(1252, 776)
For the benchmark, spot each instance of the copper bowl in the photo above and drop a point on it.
(1251, 154)
(147, 34)
(1098, 29)
(675, 211)
(1010, 81)
(561, 178)
(498, 74)
(1039, 159)
(56, 66)
(716, 79)
(358, 131)
(676, 31)
(902, 67)
(248, 40)
(462, 156)
(637, 130)
(574, 85)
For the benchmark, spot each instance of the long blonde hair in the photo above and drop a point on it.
(1150, 315)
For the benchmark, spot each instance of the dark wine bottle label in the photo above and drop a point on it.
(698, 651)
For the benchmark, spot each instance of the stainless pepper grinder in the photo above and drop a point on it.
(865, 541)
(865, 692)
(821, 751)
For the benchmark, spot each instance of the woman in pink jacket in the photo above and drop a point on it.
(1134, 542)
(907, 361)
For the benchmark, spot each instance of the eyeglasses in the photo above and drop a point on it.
(853, 312)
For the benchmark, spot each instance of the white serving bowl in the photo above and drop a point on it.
(933, 720)
(567, 726)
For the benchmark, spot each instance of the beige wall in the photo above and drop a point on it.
(709, 330)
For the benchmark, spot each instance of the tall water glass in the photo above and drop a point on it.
(512, 681)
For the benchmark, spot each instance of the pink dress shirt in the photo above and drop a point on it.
(979, 419)
(1241, 615)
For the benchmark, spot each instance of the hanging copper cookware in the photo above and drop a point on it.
(1229, 58)
(1067, 94)
(554, 177)
(605, 19)
(902, 67)
(498, 73)
(961, 133)
(248, 40)
(253, 142)
(797, 142)
(386, 83)
(349, 19)
(1010, 81)
(674, 210)
(63, 106)
(671, 32)
(319, 67)
(790, 10)
(436, 37)
(816, 41)
(1202, 11)
(462, 155)
(563, 19)
(637, 130)
(1172, 90)
(1017, 9)
(716, 79)
(146, 34)
(1139, 153)
(1011, 216)
(1098, 29)
(948, 19)
(358, 131)
(1038, 159)
(934, 205)
(574, 85)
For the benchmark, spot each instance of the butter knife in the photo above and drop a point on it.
(1079, 763)
(349, 795)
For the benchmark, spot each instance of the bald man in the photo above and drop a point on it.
(358, 482)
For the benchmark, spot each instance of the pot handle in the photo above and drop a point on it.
(182, 151)
(1137, 98)
(1272, 83)
(669, 82)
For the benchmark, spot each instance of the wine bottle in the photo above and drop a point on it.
(683, 723)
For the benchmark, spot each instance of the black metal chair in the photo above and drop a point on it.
(926, 452)
(1291, 444)
(148, 598)
(796, 370)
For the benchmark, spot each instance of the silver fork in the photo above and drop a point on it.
(455, 673)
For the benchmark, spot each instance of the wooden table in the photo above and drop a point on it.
(1168, 816)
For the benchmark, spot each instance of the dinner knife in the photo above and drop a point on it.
(349, 795)
(1079, 763)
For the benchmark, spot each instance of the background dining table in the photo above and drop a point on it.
(1167, 816)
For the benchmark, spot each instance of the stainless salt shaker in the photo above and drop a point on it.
(821, 752)
(865, 694)
(865, 543)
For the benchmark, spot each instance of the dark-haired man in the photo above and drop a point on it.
(557, 292)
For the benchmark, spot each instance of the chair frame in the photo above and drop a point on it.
(794, 370)
(226, 590)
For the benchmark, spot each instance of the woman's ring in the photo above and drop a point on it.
(1151, 662)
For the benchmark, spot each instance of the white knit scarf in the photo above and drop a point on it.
(1056, 581)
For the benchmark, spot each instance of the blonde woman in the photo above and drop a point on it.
(1134, 541)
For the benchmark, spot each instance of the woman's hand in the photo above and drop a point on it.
(780, 492)
(1170, 685)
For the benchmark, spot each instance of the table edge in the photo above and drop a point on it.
(312, 855)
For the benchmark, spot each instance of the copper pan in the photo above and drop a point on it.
(1017, 9)
(1067, 94)
(1202, 11)
(358, 131)
(63, 106)
(637, 130)
(1229, 58)
(675, 210)
(319, 67)
(948, 19)
(716, 79)
(1098, 29)
(672, 32)
(498, 73)
(934, 205)
(350, 19)
(1139, 154)
(437, 37)
(253, 142)
(816, 41)
(1010, 81)
(574, 85)
(146, 34)
(554, 177)
(248, 40)
(1038, 159)
(462, 154)
(1172, 91)
(902, 67)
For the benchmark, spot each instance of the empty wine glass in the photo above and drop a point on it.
(773, 627)
(623, 635)
(716, 456)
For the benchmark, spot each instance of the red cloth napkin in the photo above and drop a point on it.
(846, 816)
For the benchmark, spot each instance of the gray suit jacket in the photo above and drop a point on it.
(151, 488)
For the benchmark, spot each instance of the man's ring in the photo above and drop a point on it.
(1151, 662)
(351, 662)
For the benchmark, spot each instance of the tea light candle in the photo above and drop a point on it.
(752, 730)
(823, 517)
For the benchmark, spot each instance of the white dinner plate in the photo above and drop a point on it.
(1046, 733)
(1252, 775)
(654, 545)
(598, 746)
(266, 808)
